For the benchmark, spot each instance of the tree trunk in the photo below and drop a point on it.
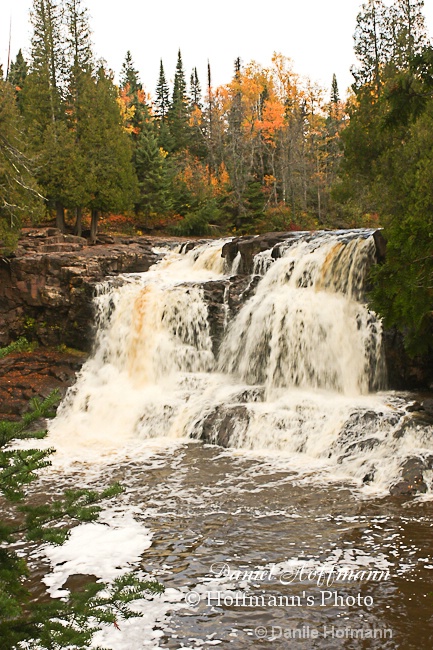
(94, 226)
(78, 229)
(60, 217)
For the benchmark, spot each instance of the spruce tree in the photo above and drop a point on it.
(162, 96)
(179, 113)
(131, 85)
(195, 90)
(129, 75)
(152, 174)
(335, 94)
(17, 75)
(162, 107)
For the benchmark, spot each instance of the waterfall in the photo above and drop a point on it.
(293, 372)
(305, 326)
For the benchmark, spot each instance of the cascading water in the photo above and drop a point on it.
(292, 375)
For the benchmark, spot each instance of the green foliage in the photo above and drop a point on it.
(19, 193)
(202, 221)
(21, 345)
(72, 621)
(388, 166)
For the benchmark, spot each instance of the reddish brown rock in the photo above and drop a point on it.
(34, 374)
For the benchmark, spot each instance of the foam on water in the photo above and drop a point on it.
(296, 375)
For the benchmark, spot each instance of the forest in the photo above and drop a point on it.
(268, 151)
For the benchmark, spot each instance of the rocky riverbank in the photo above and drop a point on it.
(47, 286)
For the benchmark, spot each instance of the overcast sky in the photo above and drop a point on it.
(315, 34)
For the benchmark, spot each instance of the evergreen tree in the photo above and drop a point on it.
(372, 44)
(129, 75)
(178, 113)
(19, 193)
(43, 98)
(195, 91)
(150, 166)
(132, 88)
(108, 153)
(409, 31)
(162, 107)
(335, 94)
(66, 622)
(162, 98)
(48, 65)
(80, 63)
(17, 75)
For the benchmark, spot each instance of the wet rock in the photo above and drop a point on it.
(427, 405)
(224, 424)
(403, 489)
(380, 243)
(412, 478)
(415, 406)
(248, 247)
(405, 372)
(369, 477)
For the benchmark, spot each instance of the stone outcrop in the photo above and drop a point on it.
(405, 372)
(34, 374)
(247, 247)
(46, 288)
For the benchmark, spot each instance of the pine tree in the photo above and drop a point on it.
(335, 94)
(43, 98)
(19, 193)
(17, 75)
(69, 622)
(107, 150)
(129, 75)
(409, 31)
(178, 113)
(195, 90)
(373, 40)
(162, 107)
(135, 97)
(162, 98)
(150, 166)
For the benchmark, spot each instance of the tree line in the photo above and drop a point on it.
(263, 148)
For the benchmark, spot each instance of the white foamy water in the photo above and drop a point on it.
(295, 375)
